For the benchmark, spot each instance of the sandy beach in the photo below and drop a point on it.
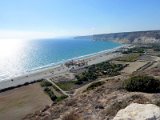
(59, 69)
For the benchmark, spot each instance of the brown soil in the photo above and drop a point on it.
(16, 103)
(101, 103)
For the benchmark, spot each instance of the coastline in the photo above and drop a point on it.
(59, 68)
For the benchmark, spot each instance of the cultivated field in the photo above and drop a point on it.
(133, 66)
(16, 103)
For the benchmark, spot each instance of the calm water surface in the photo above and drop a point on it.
(17, 57)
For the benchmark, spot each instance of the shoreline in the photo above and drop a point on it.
(59, 68)
(52, 65)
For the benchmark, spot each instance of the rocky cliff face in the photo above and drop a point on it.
(130, 37)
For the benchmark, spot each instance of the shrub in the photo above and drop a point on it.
(94, 71)
(94, 85)
(50, 93)
(142, 84)
(134, 50)
(45, 83)
(79, 82)
(61, 98)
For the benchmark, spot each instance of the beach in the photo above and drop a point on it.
(60, 68)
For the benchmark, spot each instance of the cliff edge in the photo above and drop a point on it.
(137, 37)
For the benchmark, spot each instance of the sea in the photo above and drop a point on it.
(18, 57)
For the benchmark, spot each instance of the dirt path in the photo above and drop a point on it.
(62, 91)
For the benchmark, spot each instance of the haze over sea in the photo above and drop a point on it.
(19, 57)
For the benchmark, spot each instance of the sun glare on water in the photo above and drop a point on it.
(11, 57)
(9, 47)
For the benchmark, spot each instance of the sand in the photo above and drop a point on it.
(59, 69)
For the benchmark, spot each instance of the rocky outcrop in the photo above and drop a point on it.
(137, 111)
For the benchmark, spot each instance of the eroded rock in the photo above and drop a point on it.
(136, 111)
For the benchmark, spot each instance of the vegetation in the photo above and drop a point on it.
(156, 47)
(61, 98)
(134, 50)
(53, 97)
(130, 57)
(25, 84)
(94, 71)
(50, 93)
(67, 85)
(55, 88)
(85, 76)
(142, 84)
(94, 85)
(45, 83)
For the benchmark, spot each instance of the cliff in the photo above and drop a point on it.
(129, 37)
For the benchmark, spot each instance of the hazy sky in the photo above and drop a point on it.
(52, 18)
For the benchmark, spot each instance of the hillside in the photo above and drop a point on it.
(129, 37)
(100, 103)
(108, 88)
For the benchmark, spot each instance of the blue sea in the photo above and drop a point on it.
(18, 56)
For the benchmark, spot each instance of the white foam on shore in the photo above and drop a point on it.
(37, 74)
(57, 64)
(75, 58)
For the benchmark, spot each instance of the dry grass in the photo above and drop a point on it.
(132, 67)
(16, 103)
(72, 116)
(129, 57)
(94, 85)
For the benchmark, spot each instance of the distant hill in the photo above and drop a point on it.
(128, 37)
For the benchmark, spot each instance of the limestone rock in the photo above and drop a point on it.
(137, 111)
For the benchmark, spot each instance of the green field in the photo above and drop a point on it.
(66, 86)
(129, 57)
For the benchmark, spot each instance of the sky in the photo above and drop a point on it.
(29, 19)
